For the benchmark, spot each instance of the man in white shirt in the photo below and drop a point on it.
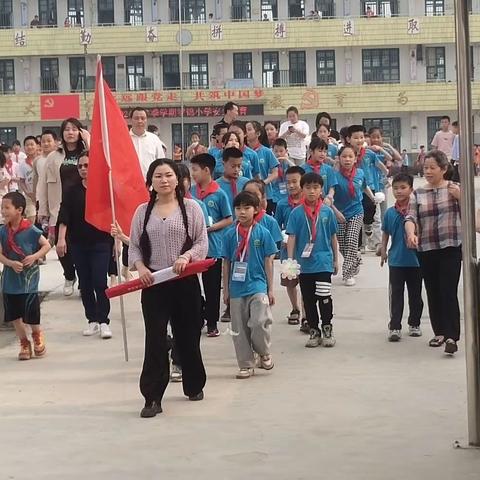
(148, 145)
(295, 132)
(443, 139)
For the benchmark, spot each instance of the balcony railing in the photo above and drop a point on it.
(49, 84)
(195, 80)
(7, 86)
(6, 20)
(284, 78)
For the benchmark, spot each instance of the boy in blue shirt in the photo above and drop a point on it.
(312, 241)
(220, 213)
(282, 214)
(402, 262)
(21, 246)
(280, 151)
(248, 251)
(251, 164)
(231, 182)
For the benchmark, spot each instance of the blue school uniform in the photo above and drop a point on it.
(370, 170)
(271, 225)
(204, 211)
(218, 208)
(267, 162)
(27, 280)
(332, 151)
(226, 187)
(260, 246)
(327, 173)
(218, 170)
(251, 164)
(343, 201)
(399, 254)
(215, 151)
(321, 258)
(282, 214)
(279, 186)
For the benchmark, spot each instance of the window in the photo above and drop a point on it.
(198, 70)
(106, 12)
(193, 11)
(171, 72)
(188, 129)
(77, 74)
(391, 129)
(380, 65)
(434, 7)
(6, 13)
(8, 135)
(298, 70)
(380, 8)
(133, 12)
(109, 75)
(433, 126)
(47, 12)
(325, 67)
(75, 12)
(270, 9)
(240, 9)
(242, 65)
(49, 75)
(7, 76)
(326, 8)
(435, 60)
(270, 69)
(296, 8)
(135, 72)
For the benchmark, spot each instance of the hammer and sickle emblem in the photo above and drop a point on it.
(49, 103)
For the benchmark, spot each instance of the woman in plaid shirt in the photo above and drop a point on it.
(432, 226)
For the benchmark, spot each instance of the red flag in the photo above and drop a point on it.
(58, 107)
(112, 153)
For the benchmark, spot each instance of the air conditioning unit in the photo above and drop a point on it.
(146, 83)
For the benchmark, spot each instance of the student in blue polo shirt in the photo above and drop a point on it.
(323, 132)
(312, 241)
(280, 151)
(229, 140)
(251, 164)
(218, 207)
(257, 139)
(402, 262)
(219, 130)
(282, 213)
(232, 182)
(316, 164)
(248, 251)
(348, 208)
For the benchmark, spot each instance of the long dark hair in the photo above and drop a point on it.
(74, 121)
(262, 134)
(145, 246)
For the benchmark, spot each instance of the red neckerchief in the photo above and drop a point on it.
(360, 156)
(188, 194)
(350, 176)
(402, 210)
(257, 146)
(313, 216)
(260, 215)
(29, 162)
(212, 187)
(9, 165)
(242, 244)
(233, 186)
(11, 233)
(294, 203)
(316, 166)
(243, 148)
(281, 172)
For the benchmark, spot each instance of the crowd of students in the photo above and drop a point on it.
(251, 201)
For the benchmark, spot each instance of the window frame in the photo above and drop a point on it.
(300, 13)
(7, 65)
(133, 12)
(48, 16)
(329, 75)
(72, 10)
(6, 13)
(202, 72)
(138, 64)
(79, 67)
(168, 59)
(8, 135)
(392, 133)
(242, 60)
(51, 79)
(297, 77)
(102, 12)
(269, 7)
(432, 70)
(111, 78)
(375, 70)
(270, 76)
(434, 8)
(188, 128)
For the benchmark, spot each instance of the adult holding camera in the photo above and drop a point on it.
(295, 133)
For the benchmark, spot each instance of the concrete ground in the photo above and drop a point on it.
(366, 409)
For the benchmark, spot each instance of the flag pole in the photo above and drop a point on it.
(106, 149)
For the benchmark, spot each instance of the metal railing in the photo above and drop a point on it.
(6, 20)
(195, 80)
(284, 78)
(49, 84)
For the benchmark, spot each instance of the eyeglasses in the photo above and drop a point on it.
(83, 165)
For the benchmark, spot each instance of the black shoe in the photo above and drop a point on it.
(450, 347)
(304, 327)
(150, 410)
(197, 397)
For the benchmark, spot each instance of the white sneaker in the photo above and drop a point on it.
(68, 287)
(414, 331)
(244, 373)
(105, 331)
(92, 329)
(266, 362)
(176, 374)
(350, 282)
(394, 335)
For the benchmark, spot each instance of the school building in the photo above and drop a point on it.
(377, 62)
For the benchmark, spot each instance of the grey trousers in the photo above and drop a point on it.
(252, 321)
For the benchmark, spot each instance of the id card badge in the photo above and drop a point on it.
(283, 188)
(239, 271)
(307, 251)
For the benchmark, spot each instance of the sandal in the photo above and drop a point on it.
(436, 342)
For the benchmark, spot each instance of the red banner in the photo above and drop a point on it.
(59, 107)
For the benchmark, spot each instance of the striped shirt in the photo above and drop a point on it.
(436, 213)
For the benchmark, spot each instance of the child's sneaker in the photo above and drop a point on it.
(244, 373)
(105, 331)
(328, 338)
(25, 349)
(305, 327)
(315, 339)
(394, 335)
(213, 333)
(266, 362)
(225, 315)
(414, 331)
(39, 344)
(349, 282)
(176, 374)
(294, 317)
(92, 329)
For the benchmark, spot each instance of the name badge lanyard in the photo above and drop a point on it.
(307, 251)
(247, 243)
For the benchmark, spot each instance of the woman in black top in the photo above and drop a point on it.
(91, 250)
